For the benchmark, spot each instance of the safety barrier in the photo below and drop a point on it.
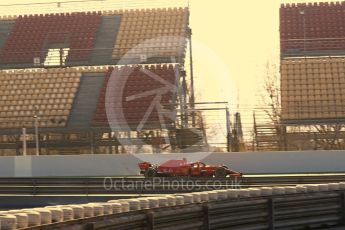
(140, 185)
(302, 206)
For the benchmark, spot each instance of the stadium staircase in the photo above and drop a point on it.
(105, 39)
(5, 28)
(267, 136)
(86, 100)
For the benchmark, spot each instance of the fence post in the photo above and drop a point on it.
(150, 221)
(205, 210)
(342, 196)
(271, 213)
(228, 130)
(34, 187)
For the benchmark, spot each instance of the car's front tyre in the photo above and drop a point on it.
(220, 172)
(150, 172)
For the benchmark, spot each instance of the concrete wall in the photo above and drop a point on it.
(124, 165)
(282, 162)
(7, 166)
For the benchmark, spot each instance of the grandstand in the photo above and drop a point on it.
(144, 87)
(94, 38)
(312, 83)
(313, 89)
(312, 64)
(88, 80)
(313, 29)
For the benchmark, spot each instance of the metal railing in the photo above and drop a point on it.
(138, 185)
(295, 211)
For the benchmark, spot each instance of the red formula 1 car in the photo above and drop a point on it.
(183, 168)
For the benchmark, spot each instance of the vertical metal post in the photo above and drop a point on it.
(270, 204)
(228, 130)
(181, 105)
(18, 146)
(192, 97)
(116, 135)
(24, 142)
(304, 36)
(37, 136)
(61, 57)
(342, 194)
(110, 147)
(206, 213)
(184, 111)
(302, 13)
(284, 138)
(150, 221)
(92, 142)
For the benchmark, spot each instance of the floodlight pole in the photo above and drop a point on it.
(24, 142)
(228, 130)
(184, 114)
(36, 135)
(302, 13)
(61, 57)
(192, 97)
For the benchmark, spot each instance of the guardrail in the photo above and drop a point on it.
(294, 211)
(116, 185)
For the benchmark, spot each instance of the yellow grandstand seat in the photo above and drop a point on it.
(323, 86)
(136, 28)
(26, 93)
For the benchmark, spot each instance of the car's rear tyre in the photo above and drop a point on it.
(150, 172)
(220, 172)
